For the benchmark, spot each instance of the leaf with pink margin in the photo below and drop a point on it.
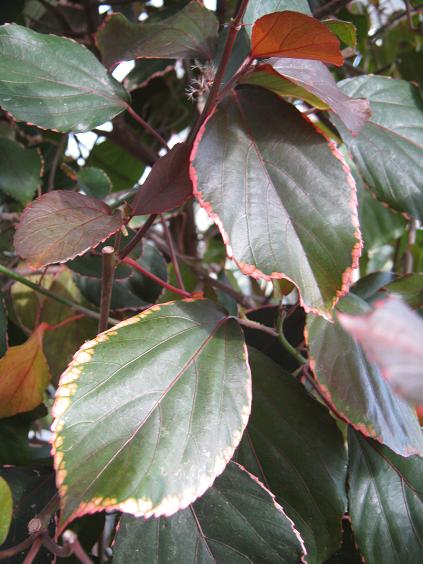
(61, 225)
(392, 338)
(284, 201)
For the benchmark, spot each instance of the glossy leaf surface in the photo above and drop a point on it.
(315, 77)
(397, 352)
(386, 494)
(54, 82)
(294, 35)
(265, 182)
(166, 396)
(259, 8)
(6, 504)
(190, 33)
(61, 225)
(389, 150)
(237, 521)
(308, 482)
(20, 170)
(356, 388)
(24, 376)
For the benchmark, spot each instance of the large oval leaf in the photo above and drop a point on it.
(389, 149)
(258, 8)
(20, 170)
(385, 502)
(61, 225)
(356, 388)
(236, 521)
(308, 482)
(54, 82)
(150, 412)
(285, 204)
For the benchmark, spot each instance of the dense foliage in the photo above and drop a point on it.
(210, 331)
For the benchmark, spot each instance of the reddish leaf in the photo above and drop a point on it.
(61, 225)
(391, 336)
(168, 184)
(314, 77)
(295, 35)
(24, 376)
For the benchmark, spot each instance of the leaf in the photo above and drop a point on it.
(20, 170)
(397, 351)
(24, 376)
(258, 8)
(6, 504)
(121, 167)
(267, 182)
(410, 288)
(61, 225)
(166, 399)
(309, 482)
(345, 31)
(54, 82)
(356, 388)
(237, 520)
(94, 182)
(191, 33)
(389, 150)
(146, 70)
(316, 78)
(168, 185)
(91, 265)
(294, 35)
(386, 509)
(14, 447)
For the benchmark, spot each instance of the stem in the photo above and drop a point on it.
(285, 343)
(72, 540)
(155, 278)
(257, 326)
(126, 197)
(108, 271)
(137, 238)
(61, 551)
(65, 322)
(57, 156)
(172, 253)
(408, 259)
(147, 126)
(214, 91)
(15, 276)
(33, 551)
(13, 550)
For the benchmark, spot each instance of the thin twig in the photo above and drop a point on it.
(134, 264)
(55, 163)
(138, 236)
(33, 551)
(147, 126)
(284, 341)
(408, 258)
(172, 253)
(107, 276)
(61, 551)
(71, 539)
(257, 326)
(13, 550)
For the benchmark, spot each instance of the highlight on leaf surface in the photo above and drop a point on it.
(61, 225)
(294, 35)
(237, 520)
(266, 183)
(24, 375)
(391, 336)
(166, 397)
(54, 82)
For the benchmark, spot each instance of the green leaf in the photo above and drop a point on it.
(189, 34)
(236, 521)
(146, 70)
(410, 288)
(345, 31)
(94, 182)
(166, 399)
(356, 388)
(189, 278)
(6, 504)
(385, 501)
(67, 225)
(54, 82)
(308, 482)
(258, 8)
(389, 150)
(267, 182)
(14, 447)
(20, 170)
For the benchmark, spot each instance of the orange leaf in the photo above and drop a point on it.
(295, 36)
(24, 375)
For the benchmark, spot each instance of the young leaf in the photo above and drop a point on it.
(316, 78)
(294, 35)
(61, 225)
(285, 204)
(309, 482)
(24, 376)
(259, 8)
(189, 34)
(54, 82)
(356, 388)
(389, 151)
(391, 337)
(385, 502)
(94, 182)
(168, 185)
(6, 504)
(166, 397)
(237, 520)
(20, 170)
